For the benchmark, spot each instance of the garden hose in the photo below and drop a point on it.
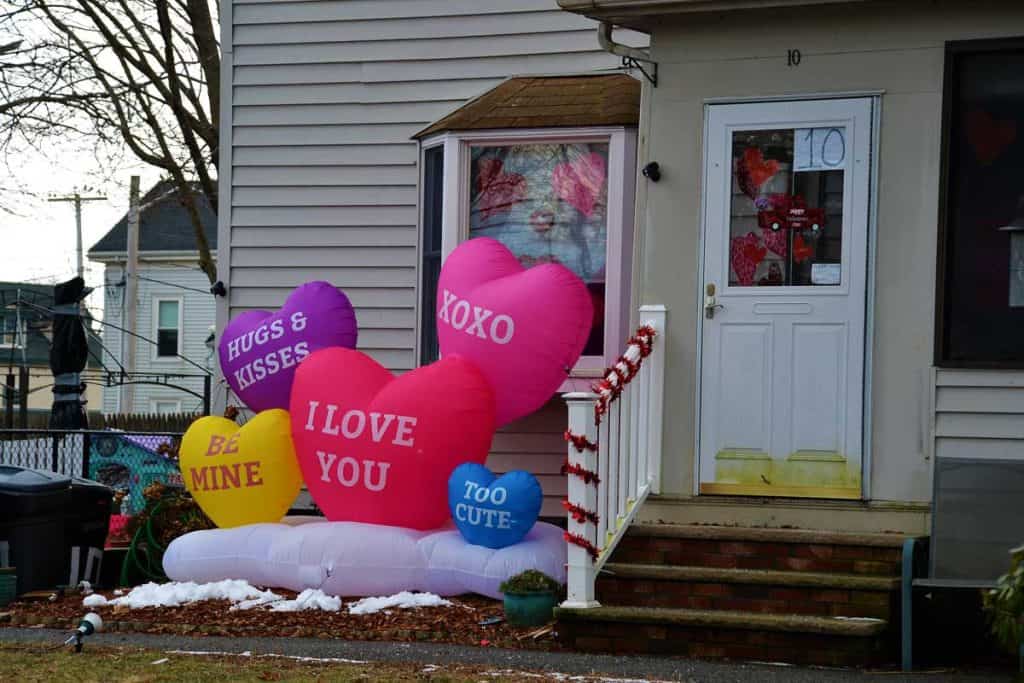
(152, 566)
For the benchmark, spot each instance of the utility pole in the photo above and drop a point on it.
(131, 295)
(77, 198)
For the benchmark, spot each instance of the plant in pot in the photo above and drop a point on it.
(1005, 606)
(530, 598)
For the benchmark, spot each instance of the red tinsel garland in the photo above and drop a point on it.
(580, 442)
(583, 473)
(576, 539)
(580, 514)
(615, 379)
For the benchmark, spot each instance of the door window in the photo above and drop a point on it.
(786, 208)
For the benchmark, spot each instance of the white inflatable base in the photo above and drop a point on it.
(354, 560)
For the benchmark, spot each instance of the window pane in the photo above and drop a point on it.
(983, 315)
(786, 216)
(433, 200)
(167, 342)
(548, 203)
(168, 315)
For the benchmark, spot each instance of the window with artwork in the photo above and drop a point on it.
(550, 196)
(981, 246)
(548, 203)
(168, 328)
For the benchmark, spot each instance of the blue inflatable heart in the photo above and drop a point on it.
(493, 512)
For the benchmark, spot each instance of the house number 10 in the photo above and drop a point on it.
(793, 58)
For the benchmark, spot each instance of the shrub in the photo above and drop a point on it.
(1005, 604)
(530, 581)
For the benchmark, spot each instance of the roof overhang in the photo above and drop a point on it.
(641, 15)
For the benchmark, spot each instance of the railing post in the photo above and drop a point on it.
(580, 568)
(655, 315)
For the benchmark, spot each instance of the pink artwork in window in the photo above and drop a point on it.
(745, 254)
(581, 181)
(497, 191)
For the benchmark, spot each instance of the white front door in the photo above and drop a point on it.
(785, 280)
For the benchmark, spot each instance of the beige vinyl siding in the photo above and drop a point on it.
(324, 97)
(979, 414)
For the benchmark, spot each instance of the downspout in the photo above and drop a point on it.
(631, 57)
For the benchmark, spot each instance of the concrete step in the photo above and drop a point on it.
(753, 590)
(829, 641)
(806, 550)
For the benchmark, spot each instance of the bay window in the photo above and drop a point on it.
(549, 195)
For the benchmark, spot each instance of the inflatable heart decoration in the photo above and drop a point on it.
(241, 475)
(491, 511)
(379, 449)
(524, 328)
(259, 350)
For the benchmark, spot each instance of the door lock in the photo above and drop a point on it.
(710, 302)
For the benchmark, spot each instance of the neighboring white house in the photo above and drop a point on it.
(175, 312)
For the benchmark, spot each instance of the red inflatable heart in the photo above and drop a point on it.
(379, 449)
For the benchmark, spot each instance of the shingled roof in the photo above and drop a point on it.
(548, 102)
(164, 225)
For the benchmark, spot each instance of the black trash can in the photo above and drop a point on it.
(33, 505)
(87, 523)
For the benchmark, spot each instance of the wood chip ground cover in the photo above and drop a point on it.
(459, 623)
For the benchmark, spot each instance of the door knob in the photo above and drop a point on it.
(710, 302)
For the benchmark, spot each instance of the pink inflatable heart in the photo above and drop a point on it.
(524, 328)
(378, 449)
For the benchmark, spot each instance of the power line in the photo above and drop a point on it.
(121, 329)
(171, 284)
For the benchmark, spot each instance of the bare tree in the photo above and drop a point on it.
(142, 73)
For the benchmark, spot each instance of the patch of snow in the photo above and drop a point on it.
(858, 619)
(430, 668)
(247, 653)
(94, 600)
(309, 599)
(174, 594)
(161, 661)
(403, 600)
(118, 592)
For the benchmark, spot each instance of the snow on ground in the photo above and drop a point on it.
(403, 600)
(311, 598)
(174, 594)
(243, 595)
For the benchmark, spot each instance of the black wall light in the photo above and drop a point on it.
(652, 171)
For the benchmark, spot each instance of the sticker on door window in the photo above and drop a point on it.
(786, 209)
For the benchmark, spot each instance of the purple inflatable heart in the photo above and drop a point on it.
(259, 350)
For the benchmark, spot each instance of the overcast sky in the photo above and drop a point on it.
(38, 244)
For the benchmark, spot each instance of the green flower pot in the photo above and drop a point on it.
(529, 609)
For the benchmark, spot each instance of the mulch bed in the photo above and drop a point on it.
(459, 623)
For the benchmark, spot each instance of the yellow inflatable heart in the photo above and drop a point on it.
(241, 475)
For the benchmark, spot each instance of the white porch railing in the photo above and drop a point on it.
(614, 447)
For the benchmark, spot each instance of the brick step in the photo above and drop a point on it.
(799, 639)
(806, 550)
(753, 590)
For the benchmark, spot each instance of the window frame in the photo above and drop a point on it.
(943, 270)
(154, 402)
(157, 300)
(622, 161)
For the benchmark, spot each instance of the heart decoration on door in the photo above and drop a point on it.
(753, 171)
(745, 254)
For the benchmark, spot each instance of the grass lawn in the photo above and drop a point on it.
(32, 663)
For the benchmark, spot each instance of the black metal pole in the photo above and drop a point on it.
(9, 400)
(55, 453)
(206, 395)
(23, 380)
(86, 451)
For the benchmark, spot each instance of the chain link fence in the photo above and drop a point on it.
(123, 460)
